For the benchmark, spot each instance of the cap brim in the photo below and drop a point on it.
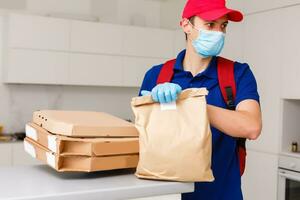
(233, 15)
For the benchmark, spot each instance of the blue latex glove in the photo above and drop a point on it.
(164, 93)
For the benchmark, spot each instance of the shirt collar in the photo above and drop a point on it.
(210, 71)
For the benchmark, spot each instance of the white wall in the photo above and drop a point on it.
(22, 100)
(140, 13)
(170, 12)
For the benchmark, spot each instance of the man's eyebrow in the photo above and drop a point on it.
(210, 21)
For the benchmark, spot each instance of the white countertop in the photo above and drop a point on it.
(43, 183)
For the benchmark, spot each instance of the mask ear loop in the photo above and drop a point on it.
(193, 28)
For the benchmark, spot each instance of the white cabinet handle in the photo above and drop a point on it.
(289, 176)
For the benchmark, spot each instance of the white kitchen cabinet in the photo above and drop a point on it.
(20, 157)
(258, 6)
(37, 32)
(72, 7)
(36, 67)
(135, 69)
(148, 42)
(90, 37)
(262, 52)
(13, 154)
(260, 179)
(95, 70)
(291, 53)
(45, 50)
(101, 38)
(5, 154)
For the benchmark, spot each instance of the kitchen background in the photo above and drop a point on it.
(105, 44)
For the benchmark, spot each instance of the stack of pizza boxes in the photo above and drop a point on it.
(81, 141)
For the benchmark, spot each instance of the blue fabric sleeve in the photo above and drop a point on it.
(246, 85)
(145, 83)
(150, 79)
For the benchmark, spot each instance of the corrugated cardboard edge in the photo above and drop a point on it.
(96, 146)
(41, 153)
(191, 92)
(29, 149)
(117, 147)
(75, 130)
(43, 137)
(79, 163)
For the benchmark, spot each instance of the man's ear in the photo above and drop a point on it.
(185, 25)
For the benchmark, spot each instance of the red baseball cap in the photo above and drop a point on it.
(210, 10)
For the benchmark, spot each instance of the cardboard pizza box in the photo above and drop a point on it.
(63, 145)
(84, 124)
(79, 163)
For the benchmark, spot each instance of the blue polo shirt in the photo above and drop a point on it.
(225, 165)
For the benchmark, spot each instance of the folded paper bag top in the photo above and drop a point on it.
(192, 92)
(84, 124)
(175, 144)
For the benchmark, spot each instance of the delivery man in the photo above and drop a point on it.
(204, 22)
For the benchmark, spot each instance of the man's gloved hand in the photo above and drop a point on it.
(164, 93)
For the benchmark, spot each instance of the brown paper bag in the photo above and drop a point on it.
(175, 139)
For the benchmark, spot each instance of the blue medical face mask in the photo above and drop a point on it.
(209, 43)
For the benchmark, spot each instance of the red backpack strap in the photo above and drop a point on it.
(242, 154)
(228, 89)
(227, 81)
(166, 72)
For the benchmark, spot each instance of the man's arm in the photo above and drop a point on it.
(244, 122)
